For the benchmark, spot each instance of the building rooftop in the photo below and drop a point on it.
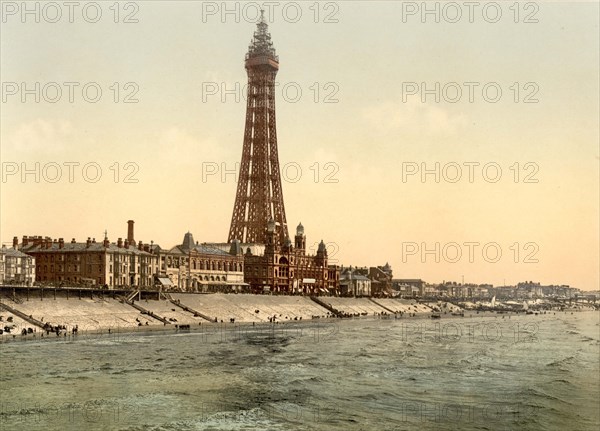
(72, 247)
(11, 252)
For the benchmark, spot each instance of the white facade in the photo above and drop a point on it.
(16, 267)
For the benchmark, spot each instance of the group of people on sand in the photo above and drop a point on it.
(57, 329)
(140, 323)
(385, 314)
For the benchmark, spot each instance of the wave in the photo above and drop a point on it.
(569, 360)
(533, 393)
(135, 370)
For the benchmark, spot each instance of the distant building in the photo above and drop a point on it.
(452, 289)
(381, 280)
(333, 279)
(353, 282)
(530, 289)
(16, 268)
(409, 287)
(193, 267)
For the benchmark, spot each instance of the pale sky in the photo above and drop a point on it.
(366, 139)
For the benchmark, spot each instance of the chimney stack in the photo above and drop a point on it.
(73, 241)
(140, 246)
(120, 242)
(130, 232)
(126, 244)
(88, 242)
(16, 242)
(61, 243)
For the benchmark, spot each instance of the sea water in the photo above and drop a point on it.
(479, 372)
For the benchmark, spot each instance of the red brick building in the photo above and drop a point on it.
(286, 268)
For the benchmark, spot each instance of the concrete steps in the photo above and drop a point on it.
(23, 316)
(190, 310)
(145, 311)
(327, 306)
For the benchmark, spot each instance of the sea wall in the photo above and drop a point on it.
(103, 311)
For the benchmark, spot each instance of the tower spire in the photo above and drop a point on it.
(261, 44)
(259, 196)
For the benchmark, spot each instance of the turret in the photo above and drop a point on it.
(270, 245)
(300, 238)
(322, 254)
(236, 248)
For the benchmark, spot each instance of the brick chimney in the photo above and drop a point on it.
(88, 242)
(25, 240)
(126, 243)
(130, 232)
(140, 246)
(73, 241)
(61, 243)
(120, 242)
(16, 242)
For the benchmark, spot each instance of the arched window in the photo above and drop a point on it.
(284, 268)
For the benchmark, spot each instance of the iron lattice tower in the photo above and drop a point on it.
(259, 197)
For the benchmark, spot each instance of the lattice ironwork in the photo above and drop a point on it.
(259, 195)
